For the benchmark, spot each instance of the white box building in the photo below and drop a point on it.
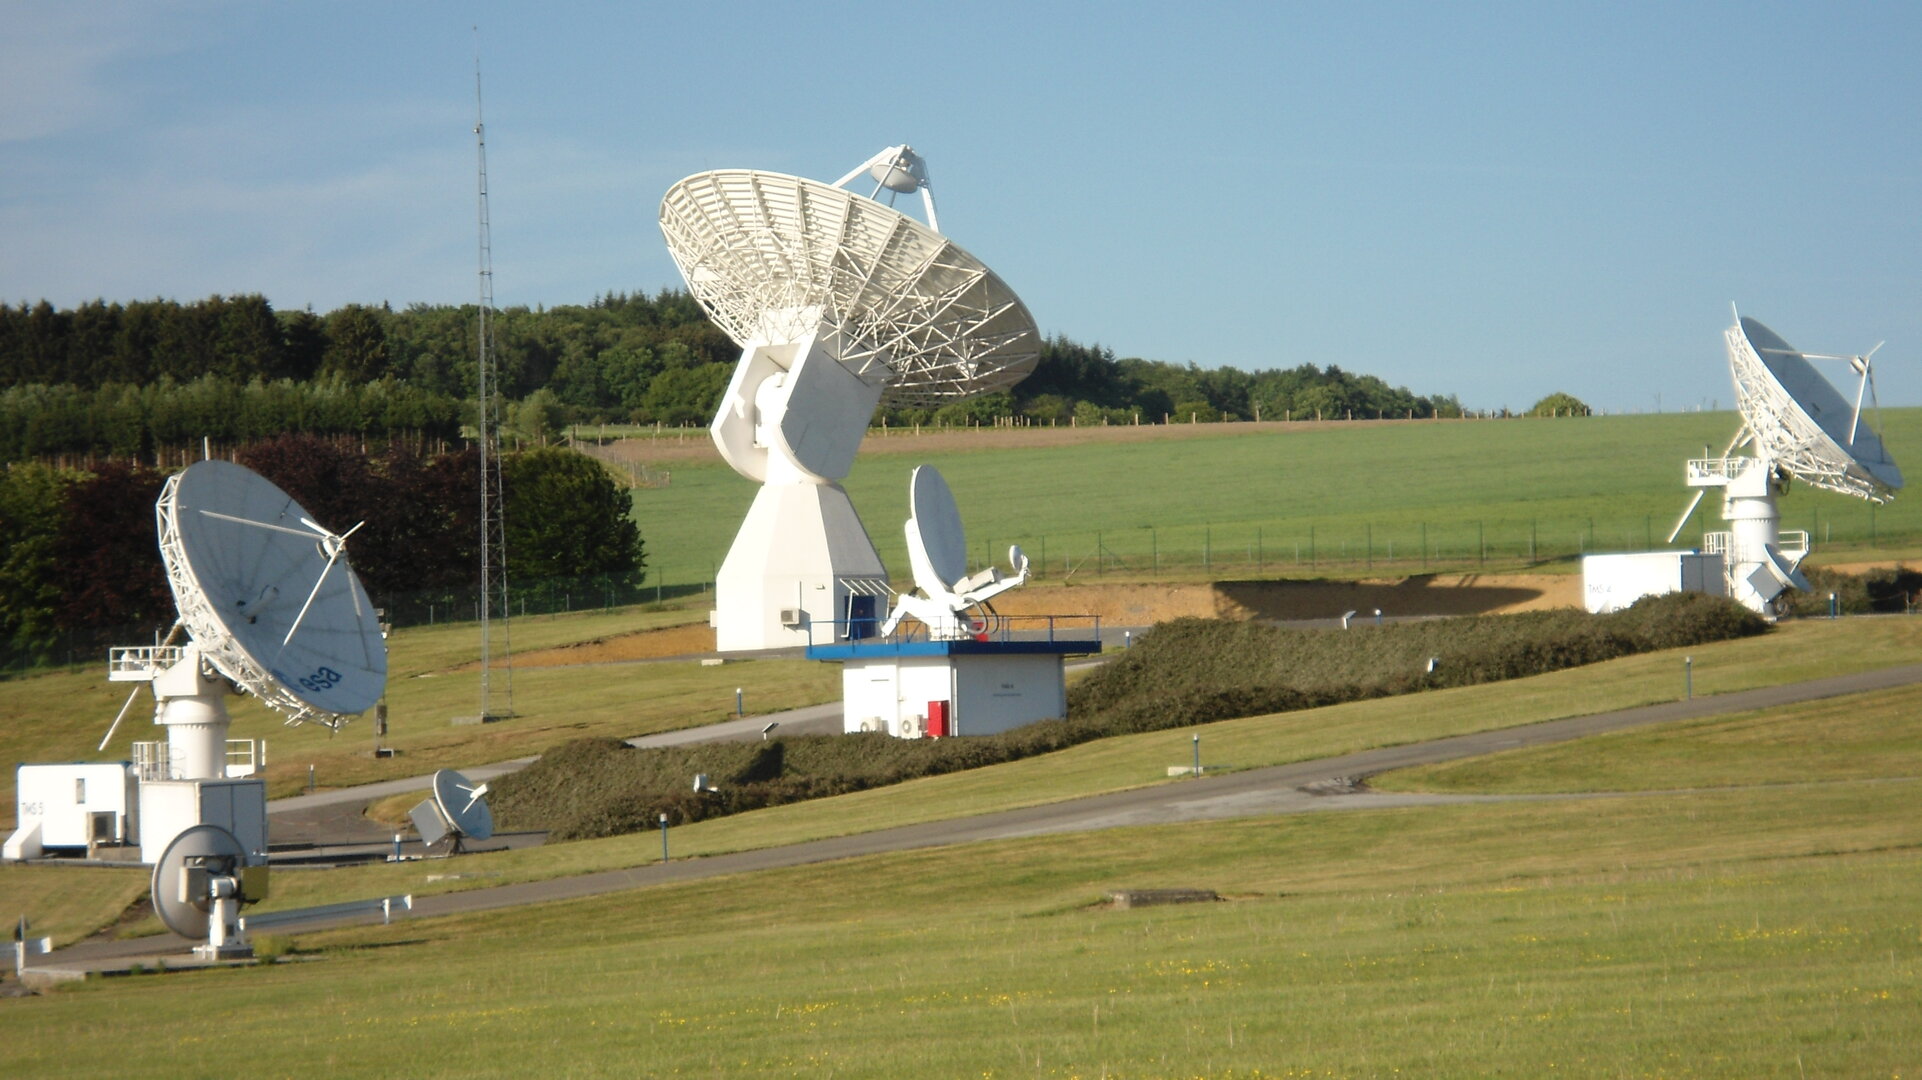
(911, 689)
(1613, 582)
(58, 805)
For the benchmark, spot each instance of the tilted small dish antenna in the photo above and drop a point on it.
(456, 809)
(952, 603)
(839, 303)
(1795, 425)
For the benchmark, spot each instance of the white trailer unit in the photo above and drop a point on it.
(57, 804)
(1613, 582)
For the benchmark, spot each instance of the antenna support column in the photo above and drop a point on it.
(793, 418)
(193, 709)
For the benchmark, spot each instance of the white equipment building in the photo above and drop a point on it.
(839, 304)
(945, 663)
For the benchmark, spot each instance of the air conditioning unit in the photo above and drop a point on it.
(911, 727)
(791, 616)
(872, 723)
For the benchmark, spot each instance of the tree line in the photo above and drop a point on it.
(82, 558)
(125, 379)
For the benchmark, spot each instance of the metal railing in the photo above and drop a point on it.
(140, 663)
(244, 757)
(1790, 542)
(997, 628)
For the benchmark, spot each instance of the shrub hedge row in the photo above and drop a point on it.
(1184, 672)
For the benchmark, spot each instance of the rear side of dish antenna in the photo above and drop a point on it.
(951, 603)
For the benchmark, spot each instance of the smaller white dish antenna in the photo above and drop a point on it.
(952, 603)
(1796, 426)
(937, 544)
(1801, 422)
(457, 809)
(199, 884)
(267, 595)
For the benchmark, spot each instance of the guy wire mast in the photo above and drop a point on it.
(493, 538)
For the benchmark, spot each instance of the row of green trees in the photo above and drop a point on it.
(122, 377)
(82, 563)
(125, 420)
(604, 354)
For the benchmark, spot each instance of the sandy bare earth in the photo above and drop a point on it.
(1143, 604)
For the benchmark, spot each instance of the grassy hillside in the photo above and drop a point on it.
(1295, 498)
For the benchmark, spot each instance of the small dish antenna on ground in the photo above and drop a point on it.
(199, 884)
(952, 603)
(1798, 426)
(457, 809)
(839, 304)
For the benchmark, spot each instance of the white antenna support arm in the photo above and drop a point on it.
(792, 412)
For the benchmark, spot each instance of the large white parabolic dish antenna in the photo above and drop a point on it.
(771, 257)
(839, 304)
(267, 595)
(1801, 422)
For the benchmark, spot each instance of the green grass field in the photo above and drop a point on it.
(1756, 930)
(1298, 500)
(1727, 897)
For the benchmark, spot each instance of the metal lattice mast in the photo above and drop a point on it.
(493, 538)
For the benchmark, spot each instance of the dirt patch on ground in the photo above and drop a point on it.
(1144, 604)
(692, 445)
(689, 640)
(1432, 594)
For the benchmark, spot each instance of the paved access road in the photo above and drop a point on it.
(1272, 790)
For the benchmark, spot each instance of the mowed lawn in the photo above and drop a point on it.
(1755, 929)
(1297, 499)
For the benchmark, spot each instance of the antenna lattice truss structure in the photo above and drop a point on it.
(771, 257)
(493, 523)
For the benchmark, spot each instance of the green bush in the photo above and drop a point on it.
(1888, 589)
(1184, 672)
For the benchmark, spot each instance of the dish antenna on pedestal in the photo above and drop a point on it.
(457, 809)
(270, 607)
(1796, 425)
(199, 884)
(839, 304)
(953, 604)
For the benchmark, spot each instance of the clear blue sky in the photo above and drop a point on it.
(1496, 201)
